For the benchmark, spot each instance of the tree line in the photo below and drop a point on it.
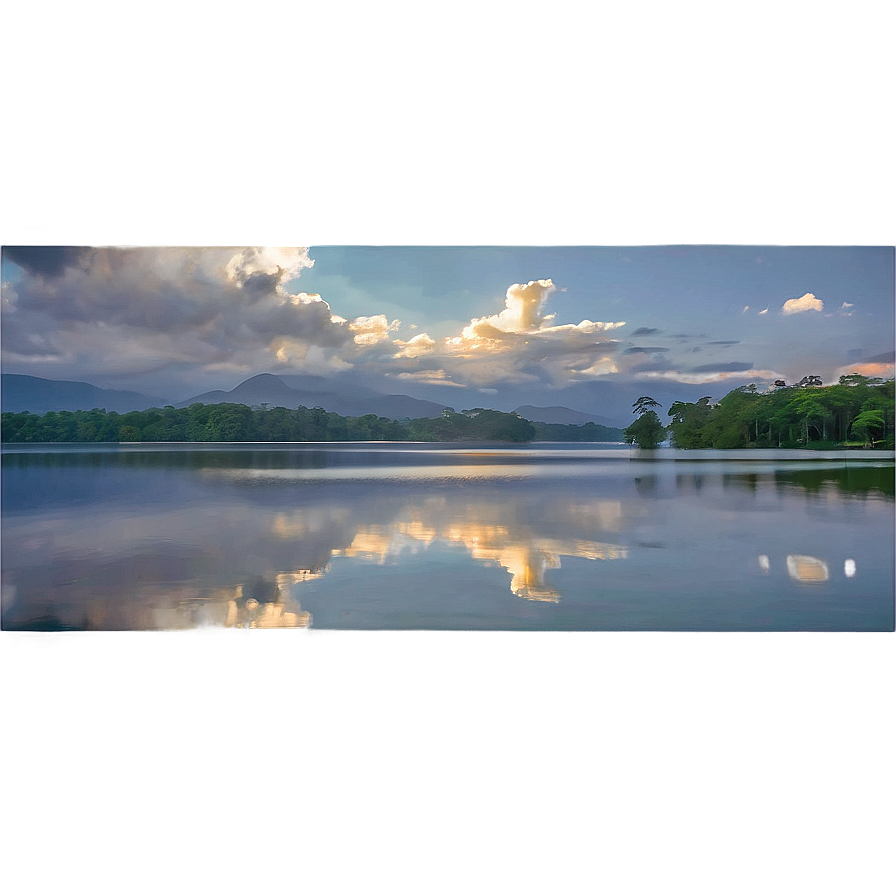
(857, 410)
(241, 423)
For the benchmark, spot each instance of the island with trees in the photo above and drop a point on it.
(856, 412)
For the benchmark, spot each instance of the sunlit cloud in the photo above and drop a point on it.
(134, 311)
(708, 376)
(844, 309)
(371, 330)
(420, 344)
(806, 302)
(432, 377)
(520, 344)
(764, 311)
(879, 369)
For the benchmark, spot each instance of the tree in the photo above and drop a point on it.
(646, 431)
(644, 404)
(866, 423)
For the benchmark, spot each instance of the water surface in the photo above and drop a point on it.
(397, 535)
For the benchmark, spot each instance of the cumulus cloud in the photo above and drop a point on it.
(806, 302)
(521, 343)
(45, 261)
(134, 311)
(371, 330)
(522, 316)
(420, 344)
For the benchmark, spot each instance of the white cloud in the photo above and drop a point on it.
(522, 316)
(519, 344)
(764, 311)
(420, 344)
(173, 312)
(259, 260)
(373, 329)
(746, 309)
(431, 377)
(807, 302)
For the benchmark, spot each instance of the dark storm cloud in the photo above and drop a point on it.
(260, 284)
(730, 367)
(646, 350)
(45, 261)
(657, 366)
(645, 331)
(174, 305)
(883, 358)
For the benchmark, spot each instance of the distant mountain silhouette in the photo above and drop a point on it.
(558, 414)
(274, 391)
(38, 395)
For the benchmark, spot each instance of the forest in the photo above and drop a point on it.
(241, 423)
(856, 411)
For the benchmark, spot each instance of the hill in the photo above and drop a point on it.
(559, 414)
(275, 392)
(39, 395)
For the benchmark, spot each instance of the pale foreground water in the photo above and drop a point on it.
(407, 536)
(544, 729)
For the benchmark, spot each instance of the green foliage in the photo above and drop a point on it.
(240, 423)
(477, 425)
(643, 404)
(787, 418)
(646, 431)
(570, 432)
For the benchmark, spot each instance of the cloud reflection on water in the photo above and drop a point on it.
(198, 538)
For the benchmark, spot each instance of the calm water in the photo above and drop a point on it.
(398, 536)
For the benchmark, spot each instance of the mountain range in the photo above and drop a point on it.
(39, 395)
(341, 396)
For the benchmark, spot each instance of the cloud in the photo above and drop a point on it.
(648, 349)
(807, 302)
(711, 375)
(764, 311)
(45, 261)
(431, 377)
(645, 331)
(420, 344)
(726, 341)
(105, 311)
(746, 309)
(371, 330)
(844, 311)
(521, 343)
(522, 315)
(730, 367)
(883, 358)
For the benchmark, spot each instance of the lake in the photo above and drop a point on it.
(447, 536)
(627, 674)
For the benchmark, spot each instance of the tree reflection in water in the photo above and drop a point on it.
(439, 538)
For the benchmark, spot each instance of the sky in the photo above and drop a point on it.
(474, 327)
(732, 157)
